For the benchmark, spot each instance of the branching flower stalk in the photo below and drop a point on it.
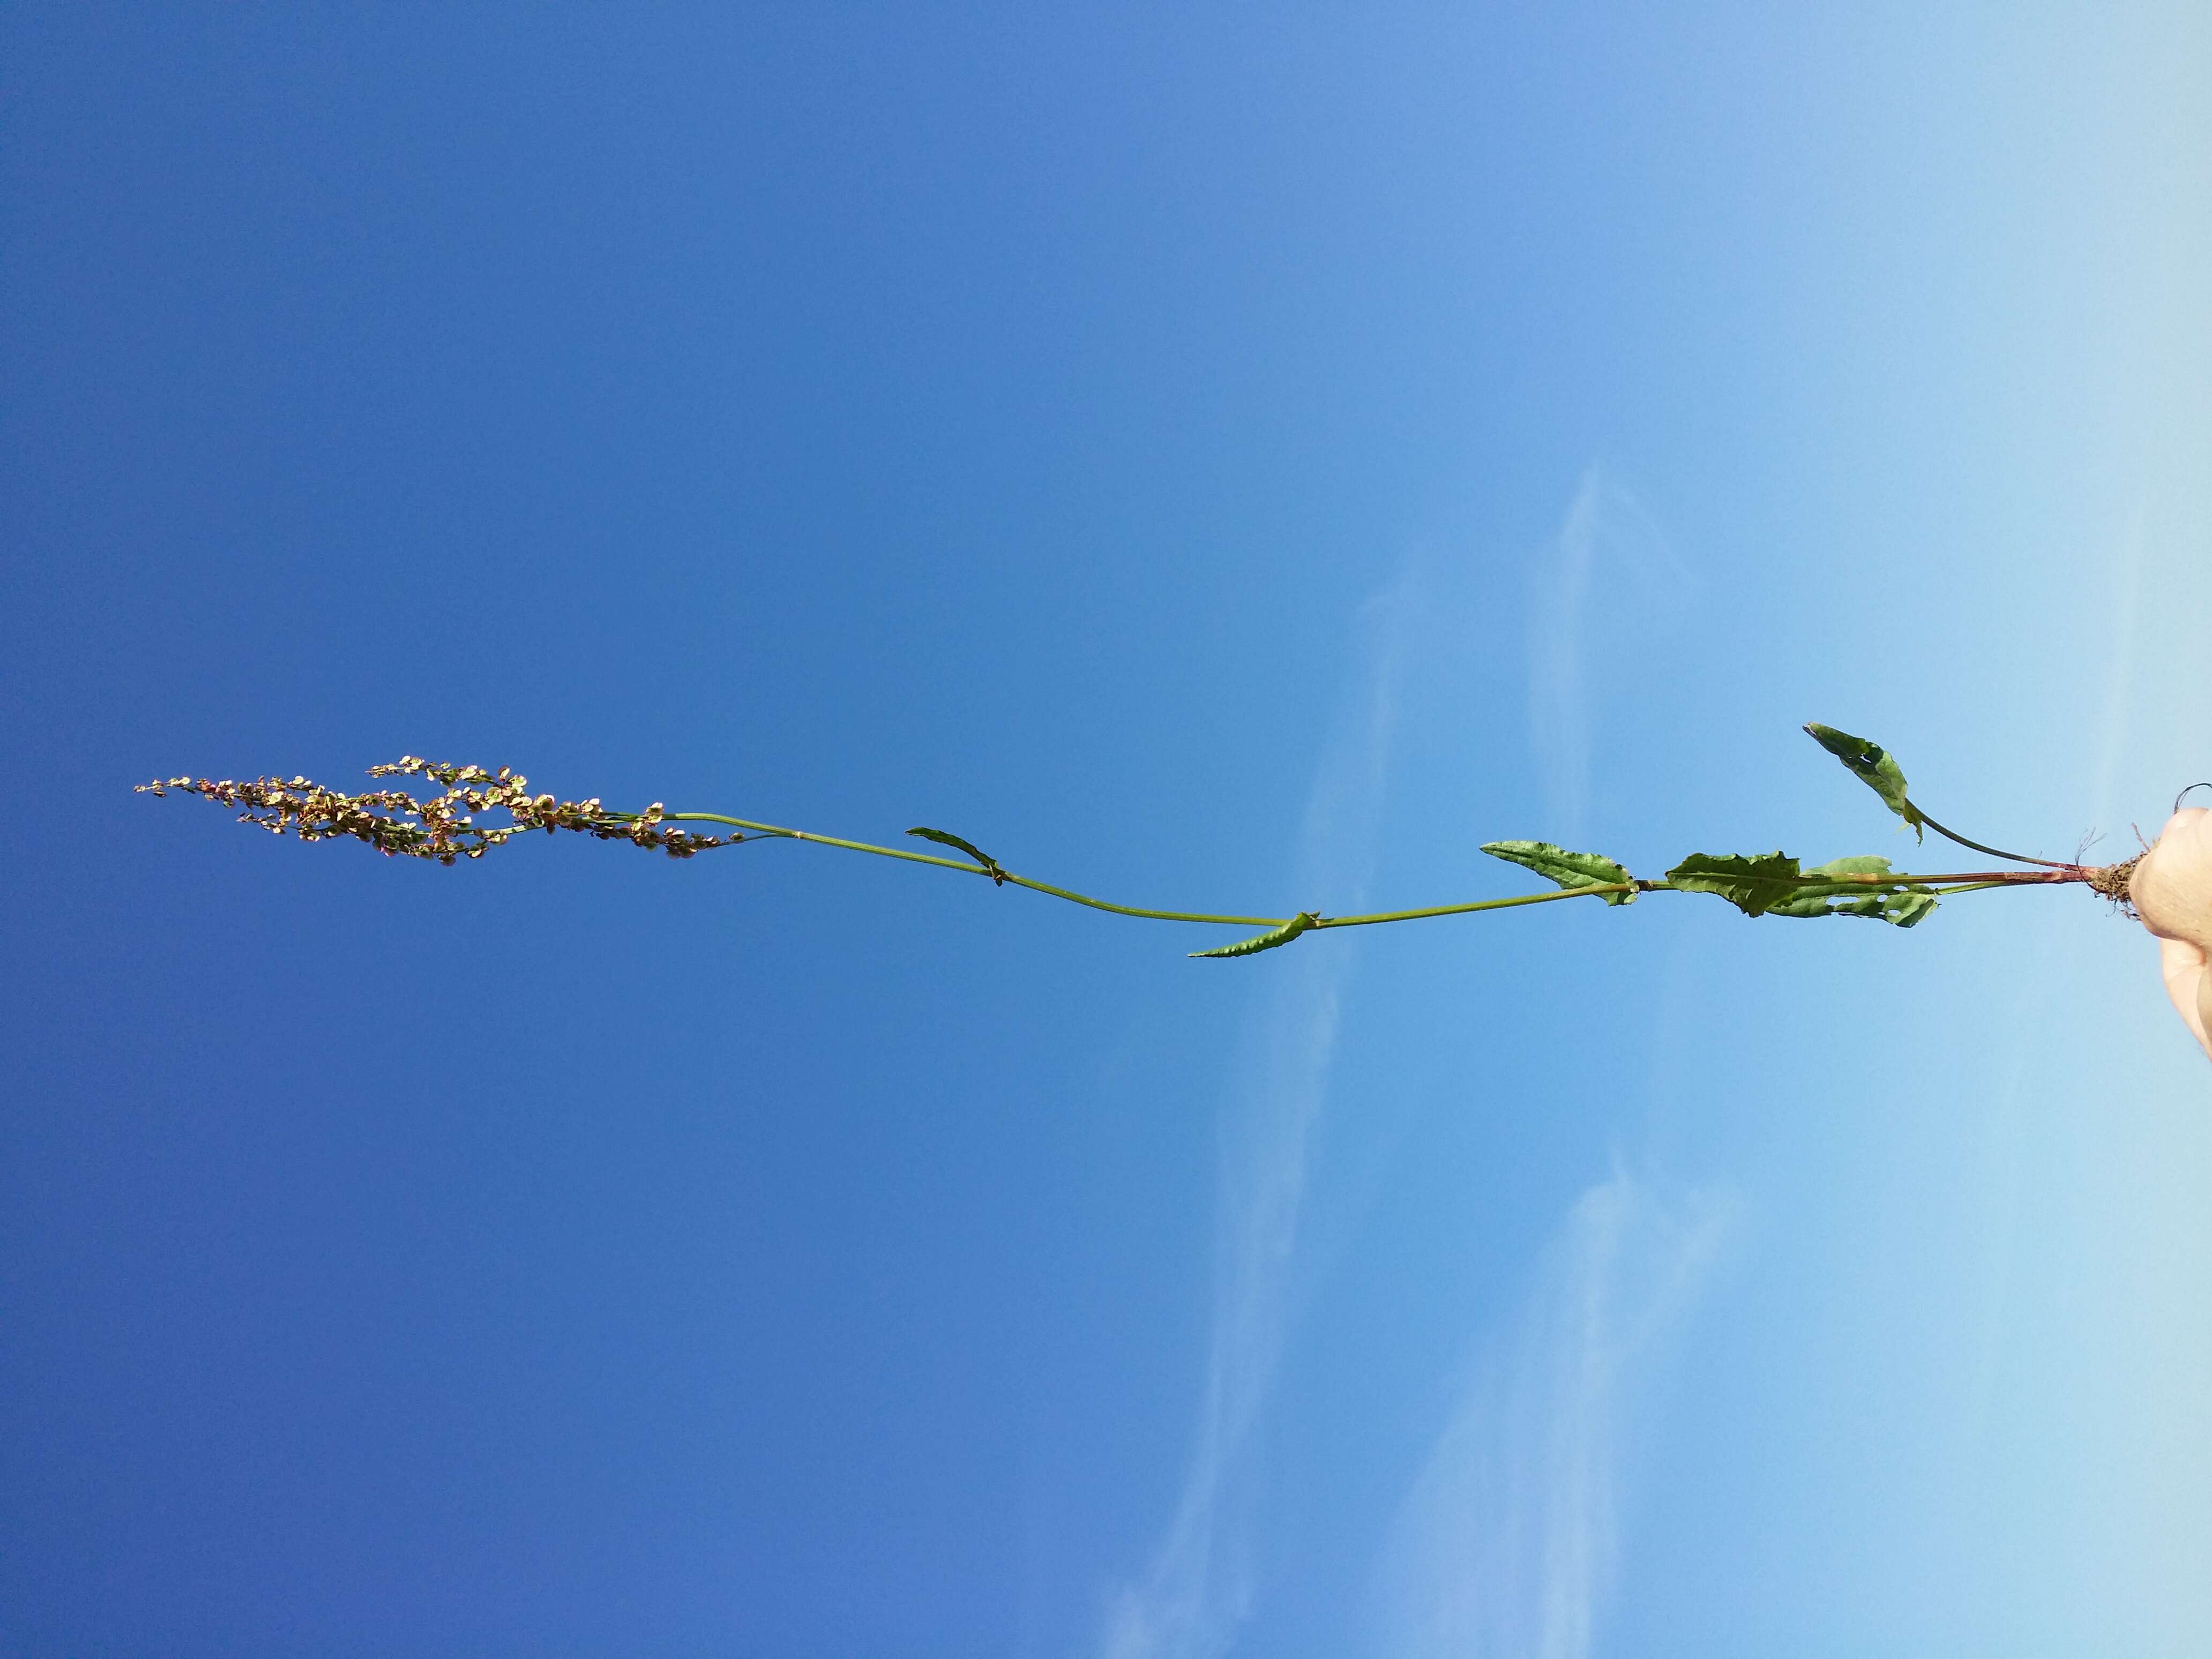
(444, 827)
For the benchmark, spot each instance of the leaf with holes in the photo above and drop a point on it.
(1774, 886)
(1900, 907)
(1570, 870)
(1872, 765)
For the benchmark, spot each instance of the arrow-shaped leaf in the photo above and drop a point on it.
(1774, 886)
(1568, 869)
(1754, 885)
(1900, 907)
(946, 838)
(1873, 765)
(1304, 921)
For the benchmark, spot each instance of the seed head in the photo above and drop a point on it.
(442, 827)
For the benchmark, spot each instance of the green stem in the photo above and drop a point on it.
(1956, 882)
(2064, 872)
(1994, 852)
(1488, 905)
(1132, 910)
(967, 868)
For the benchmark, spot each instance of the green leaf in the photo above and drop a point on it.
(945, 838)
(1899, 907)
(1568, 869)
(1754, 885)
(1304, 921)
(1773, 885)
(1904, 909)
(1864, 865)
(1873, 765)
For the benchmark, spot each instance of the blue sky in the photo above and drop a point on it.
(1238, 460)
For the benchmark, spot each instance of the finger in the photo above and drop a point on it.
(2171, 884)
(2190, 985)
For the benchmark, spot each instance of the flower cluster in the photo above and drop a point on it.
(443, 827)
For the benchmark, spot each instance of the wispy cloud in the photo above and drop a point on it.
(1506, 1543)
(1198, 1589)
(1593, 585)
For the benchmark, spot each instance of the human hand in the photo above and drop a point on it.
(2172, 890)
